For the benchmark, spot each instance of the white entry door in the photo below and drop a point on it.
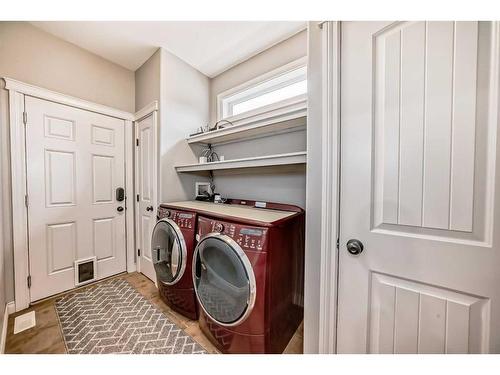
(146, 182)
(420, 188)
(75, 163)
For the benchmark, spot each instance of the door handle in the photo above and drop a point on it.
(150, 208)
(119, 209)
(355, 247)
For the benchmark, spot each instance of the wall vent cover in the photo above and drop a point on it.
(85, 271)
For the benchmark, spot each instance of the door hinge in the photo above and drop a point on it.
(137, 197)
(25, 118)
(26, 202)
(338, 243)
(29, 281)
(137, 142)
(138, 252)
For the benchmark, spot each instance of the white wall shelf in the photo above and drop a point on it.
(293, 117)
(254, 162)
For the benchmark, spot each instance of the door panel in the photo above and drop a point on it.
(72, 173)
(410, 317)
(60, 166)
(419, 174)
(146, 189)
(61, 246)
(427, 143)
(102, 179)
(104, 238)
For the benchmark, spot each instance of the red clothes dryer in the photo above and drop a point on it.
(248, 274)
(173, 243)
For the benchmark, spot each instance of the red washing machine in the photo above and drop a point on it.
(248, 274)
(173, 243)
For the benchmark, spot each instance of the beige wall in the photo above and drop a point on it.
(34, 56)
(147, 81)
(285, 185)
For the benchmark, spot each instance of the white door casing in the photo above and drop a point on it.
(419, 178)
(323, 113)
(146, 190)
(75, 162)
(17, 93)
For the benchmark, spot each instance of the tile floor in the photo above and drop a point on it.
(47, 338)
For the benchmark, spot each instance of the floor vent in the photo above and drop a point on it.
(24, 322)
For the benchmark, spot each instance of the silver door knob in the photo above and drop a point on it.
(355, 247)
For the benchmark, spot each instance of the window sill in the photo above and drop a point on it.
(289, 116)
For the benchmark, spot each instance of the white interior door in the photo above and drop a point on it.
(420, 184)
(75, 162)
(146, 183)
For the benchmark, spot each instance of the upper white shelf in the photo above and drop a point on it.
(289, 118)
(259, 161)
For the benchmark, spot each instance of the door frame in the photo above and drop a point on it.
(323, 187)
(148, 110)
(17, 92)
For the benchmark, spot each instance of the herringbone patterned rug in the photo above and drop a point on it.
(113, 317)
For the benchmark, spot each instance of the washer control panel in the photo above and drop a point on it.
(251, 238)
(248, 237)
(185, 220)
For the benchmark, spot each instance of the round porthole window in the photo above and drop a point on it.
(168, 251)
(223, 279)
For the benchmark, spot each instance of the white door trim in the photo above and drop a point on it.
(150, 109)
(9, 310)
(330, 189)
(322, 195)
(146, 111)
(17, 91)
(129, 197)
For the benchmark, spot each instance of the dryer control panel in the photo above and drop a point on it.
(185, 220)
(248, 237)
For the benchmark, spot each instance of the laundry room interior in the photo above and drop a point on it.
(191, 157)
(249, 187)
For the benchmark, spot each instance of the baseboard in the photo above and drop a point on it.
(10, 308)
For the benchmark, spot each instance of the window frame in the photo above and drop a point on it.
(243, 92)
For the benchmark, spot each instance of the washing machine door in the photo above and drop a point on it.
(168, 251)
(223, 279)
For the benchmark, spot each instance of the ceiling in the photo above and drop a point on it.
(210, 46)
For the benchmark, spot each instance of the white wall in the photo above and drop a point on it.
(274, 57)
(184, 106)
(284, 185)
(34, 56)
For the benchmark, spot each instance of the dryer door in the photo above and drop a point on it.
(168, 251)
(223, 279)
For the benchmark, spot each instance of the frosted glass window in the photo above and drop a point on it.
(272, 97)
